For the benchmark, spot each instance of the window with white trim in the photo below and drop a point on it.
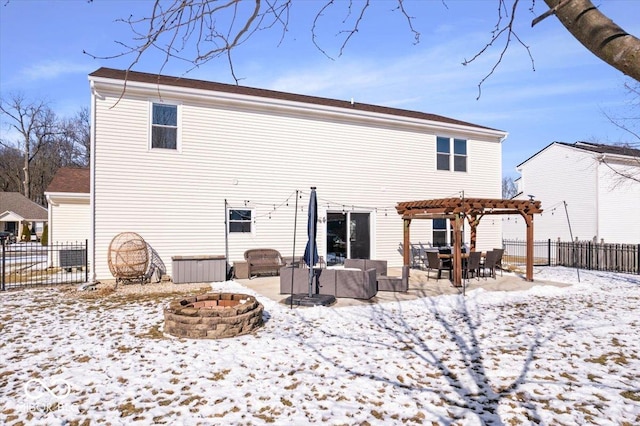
(442, 233)
(164, 126)
(451, 154)
(240, 220)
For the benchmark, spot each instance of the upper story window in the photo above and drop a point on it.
(164, 126)
(240, 220)
(451, 154)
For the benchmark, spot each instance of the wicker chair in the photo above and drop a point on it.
(434, 262)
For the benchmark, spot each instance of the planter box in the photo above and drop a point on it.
(198, 269)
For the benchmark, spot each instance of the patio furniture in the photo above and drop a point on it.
(489, 264)
(385, 282)
(393, 283)
(350, 283)
(499, 258)
(434, 262)
(471, 265)
(417, 256)
(379, 265)
(263, 261)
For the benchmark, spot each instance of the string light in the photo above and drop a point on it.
(274, 207)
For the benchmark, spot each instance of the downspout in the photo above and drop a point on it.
(602, 159)
(92, 187)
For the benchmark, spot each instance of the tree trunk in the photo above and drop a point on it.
(27, 176)
(600, 35)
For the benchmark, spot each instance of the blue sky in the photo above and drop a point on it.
(564, 99)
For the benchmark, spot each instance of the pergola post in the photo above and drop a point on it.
(473, 233)
(407, 242)
(528, 218)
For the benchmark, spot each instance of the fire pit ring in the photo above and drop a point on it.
(213, 316)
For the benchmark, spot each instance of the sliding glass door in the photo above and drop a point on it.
(348, 236)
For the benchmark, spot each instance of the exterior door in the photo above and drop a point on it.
(348, 236)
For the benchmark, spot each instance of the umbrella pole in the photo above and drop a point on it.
(293, 261)
(312, 243)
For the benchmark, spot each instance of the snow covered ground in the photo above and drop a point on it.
(549, 355)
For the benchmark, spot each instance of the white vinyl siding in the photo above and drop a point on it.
(594, 196)
(618, 198)
(258, 157)
(70, 221)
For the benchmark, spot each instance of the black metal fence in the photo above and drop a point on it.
(32, 264)
(577, 254)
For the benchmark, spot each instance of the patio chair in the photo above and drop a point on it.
(417, 257)
(489, 264)
(472, 264)
(434, 262)
(499, 258)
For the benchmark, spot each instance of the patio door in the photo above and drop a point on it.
(348, 236)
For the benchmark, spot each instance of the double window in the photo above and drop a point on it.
(240, 221)
(451, 154)
(164, 126)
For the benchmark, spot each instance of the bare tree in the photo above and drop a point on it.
(509, 188)
(626, 163)
(213, 29)
(10, 169)
(42, 144)
(599, 34)
(74, 140)
(35, 125)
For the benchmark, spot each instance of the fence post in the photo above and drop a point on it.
(86, 261)
(549, 252)
(589, 255)
(2, 283)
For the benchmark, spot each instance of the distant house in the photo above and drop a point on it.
(589, 178)
(203, 168)
(16, 210)
(69, 211)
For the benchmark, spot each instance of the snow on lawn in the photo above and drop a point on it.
(547, 355)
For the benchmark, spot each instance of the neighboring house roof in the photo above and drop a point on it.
(68, 179)
(19, 205)
(621, 150)
(141, 77)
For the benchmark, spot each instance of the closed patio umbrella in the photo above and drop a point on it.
(311, 251)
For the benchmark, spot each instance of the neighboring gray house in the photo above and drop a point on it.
(16, 209)
(589, 178)
(203, 168)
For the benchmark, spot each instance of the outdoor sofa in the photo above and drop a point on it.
(349, 283)
(385, 282)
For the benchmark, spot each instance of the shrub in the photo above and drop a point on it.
(25, 235)
(44, 239)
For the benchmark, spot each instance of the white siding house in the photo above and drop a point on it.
(172, 158)
(69, 208)
(589, 179)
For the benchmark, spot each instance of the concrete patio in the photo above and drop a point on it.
(419, 286)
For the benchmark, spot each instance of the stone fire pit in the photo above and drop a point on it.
(213, 316)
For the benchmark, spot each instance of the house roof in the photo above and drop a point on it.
(141, 77)
(622, 150)
(69, 179)
(608, 149)
(22, 206)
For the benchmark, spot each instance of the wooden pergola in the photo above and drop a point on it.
(473, 210)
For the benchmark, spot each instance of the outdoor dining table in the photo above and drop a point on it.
(446, 256)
